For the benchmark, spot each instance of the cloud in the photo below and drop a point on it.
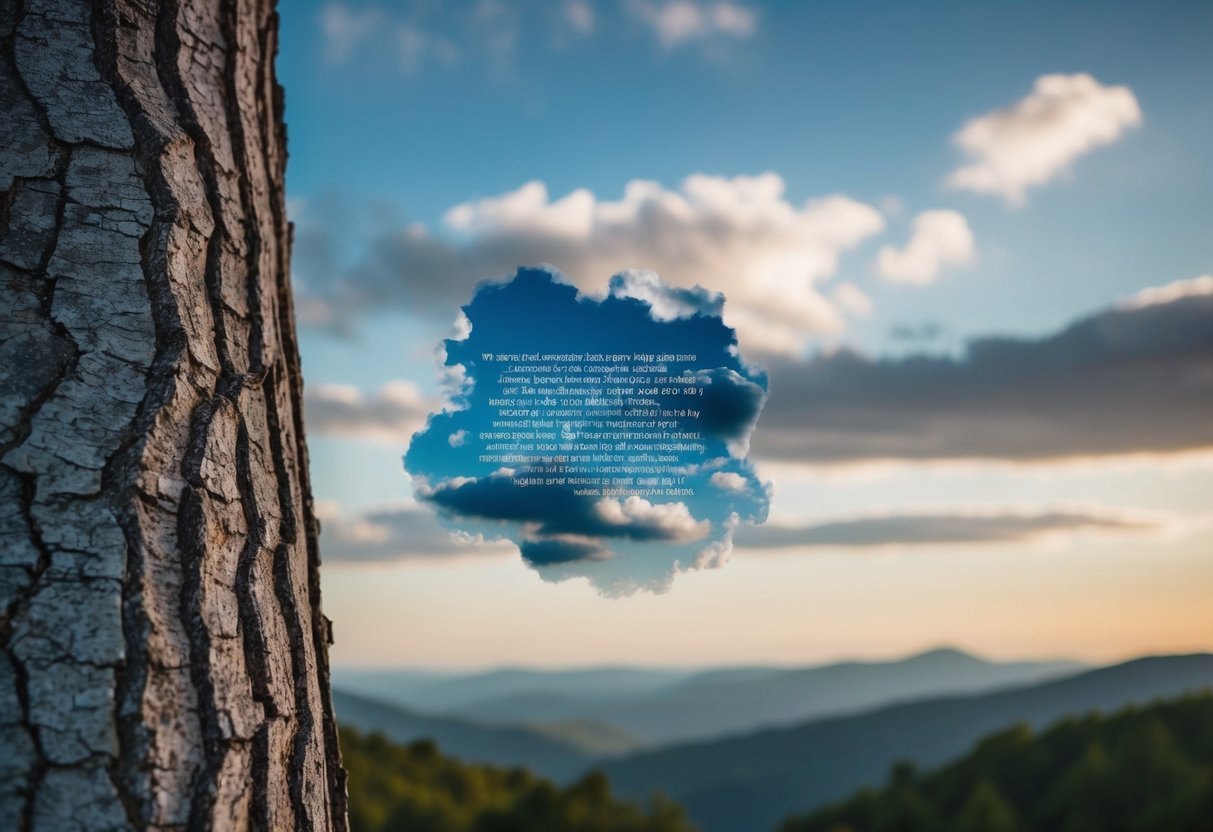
(595, 430)
(1037, 139)
(729, 481)
(415, 48)
(739, 236)
(551, 513)
(395, 533)
(664, 521)
(935, 529)
(558, 551)
(1135, 378)
(941, 238)
(1171, 292)
(344, 29)
(416, 38)
(391, 415)
(579, 15)
(852, 299)
(678, 22)
(666, 303)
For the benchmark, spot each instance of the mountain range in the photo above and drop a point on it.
(661, 707)
(749, 783)
(775, 741)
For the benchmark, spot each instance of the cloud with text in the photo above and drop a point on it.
(626, 484)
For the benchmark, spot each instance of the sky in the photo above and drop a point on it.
(967, 244)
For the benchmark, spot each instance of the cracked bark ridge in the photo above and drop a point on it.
(165, 661)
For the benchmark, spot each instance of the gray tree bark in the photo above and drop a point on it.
(165, 658)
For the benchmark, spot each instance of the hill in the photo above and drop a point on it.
(414, 787)
(749, 783)
(1141, 769)
(544, 752)
(673, 706)
(450, 691)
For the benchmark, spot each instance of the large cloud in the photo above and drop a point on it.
(934, 529)
(1134, 378)
(1035, 140)
(739, 236)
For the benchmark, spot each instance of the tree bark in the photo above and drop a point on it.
(165, 658)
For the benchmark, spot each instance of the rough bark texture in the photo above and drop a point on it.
(165, 658)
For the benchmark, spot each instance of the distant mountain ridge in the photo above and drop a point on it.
(718, 703)
(446, 692)
(542, 752)
(670, 706)
(748, 783)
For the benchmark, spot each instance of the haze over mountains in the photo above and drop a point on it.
(668, 706)
(833, 728)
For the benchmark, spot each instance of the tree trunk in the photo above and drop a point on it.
(165, 658)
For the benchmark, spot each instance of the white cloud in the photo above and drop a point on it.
(739, 236)
(392, 415)
(682, 21)
(716, 554)
(344, 29)
(1035, 140)
(728, 481)
(673, 521)
(852, 299)
(941, 238)
(666, 303)
(1169, 292)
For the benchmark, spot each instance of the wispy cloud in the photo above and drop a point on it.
(678, 22)
(403, 532)
(344, 29)
(1037, 139)
(940, 528)
(420, 36)
(391, 415)
(415, 48)
(579, 15)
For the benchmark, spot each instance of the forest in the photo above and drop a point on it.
(394, 788)
(1142, 769)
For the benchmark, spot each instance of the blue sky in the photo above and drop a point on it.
(415, 129)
